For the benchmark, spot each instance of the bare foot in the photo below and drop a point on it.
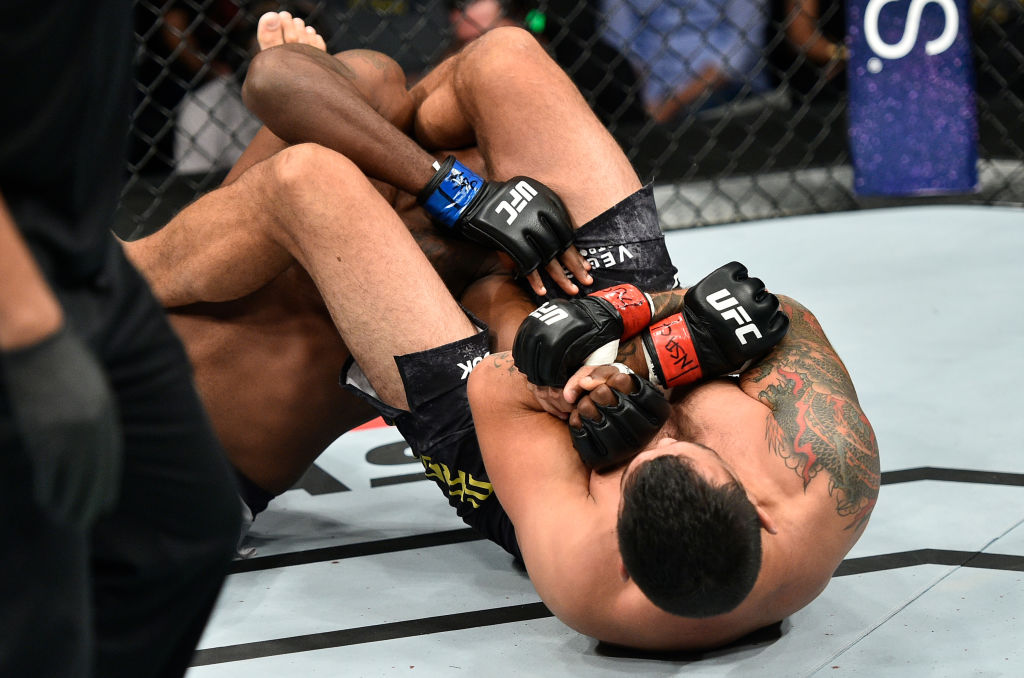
(278, 28)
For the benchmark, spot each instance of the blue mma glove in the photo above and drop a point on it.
(521, 217)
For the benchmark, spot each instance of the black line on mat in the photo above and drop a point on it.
(516, 613)
(396, 480)
(956, 475)
(370, 634)
(894, 561)
(526, 612)
(317, 481)
(368, 548)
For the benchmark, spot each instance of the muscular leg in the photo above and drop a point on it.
(325, 215)
(378, 79)
(385, 297)
(304, 95)
(265, 351)
(527, 118)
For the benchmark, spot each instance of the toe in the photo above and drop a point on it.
(268, 31)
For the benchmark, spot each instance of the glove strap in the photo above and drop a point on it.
(446, 196)
(669, 345)
(635, 307)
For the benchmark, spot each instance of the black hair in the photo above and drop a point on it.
(693, 548)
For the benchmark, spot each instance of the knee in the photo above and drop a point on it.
(504, 49)
(306, 170)
(372, 69)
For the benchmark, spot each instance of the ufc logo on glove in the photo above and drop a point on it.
(722, 300)
(521, 194)
(549, 314)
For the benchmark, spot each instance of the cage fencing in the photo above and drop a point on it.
(735, 109)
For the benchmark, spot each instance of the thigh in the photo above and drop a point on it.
(530, 119)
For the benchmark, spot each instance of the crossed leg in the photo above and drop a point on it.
(304, 225)
(265, 350)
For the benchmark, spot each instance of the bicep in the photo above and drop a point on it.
(527, 453)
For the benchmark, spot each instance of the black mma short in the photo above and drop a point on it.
(623, 244)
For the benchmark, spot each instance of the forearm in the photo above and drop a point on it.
(515, 432)
(29, 311)
(305, 95)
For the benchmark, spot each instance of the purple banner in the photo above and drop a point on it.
(913, 120)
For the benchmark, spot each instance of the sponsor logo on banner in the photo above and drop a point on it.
(913, 123)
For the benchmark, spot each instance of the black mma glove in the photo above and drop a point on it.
(556, 339)
(624, 429)
(728, 322)
(521, 217)
(66, 417)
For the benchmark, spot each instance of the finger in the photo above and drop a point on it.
(586, 379)
(573, 388)
(623, 383)
(557, 273)
(588, 410)
(604, 396)
(536, 284)
(577, 265)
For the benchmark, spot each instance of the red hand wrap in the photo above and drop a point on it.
(632, 304)
(670, 345)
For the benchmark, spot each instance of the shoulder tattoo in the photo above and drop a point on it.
(817, 423)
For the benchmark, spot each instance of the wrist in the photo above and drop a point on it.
(29, 323)
(447, 195)
(670, 352)
(632, 304)
(631, 354)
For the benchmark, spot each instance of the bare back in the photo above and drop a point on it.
(267, 367)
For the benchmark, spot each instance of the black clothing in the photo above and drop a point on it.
(131, 597)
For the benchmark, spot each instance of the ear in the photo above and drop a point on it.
(623, 573)
(767, 522)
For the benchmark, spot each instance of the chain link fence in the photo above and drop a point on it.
(735, 109)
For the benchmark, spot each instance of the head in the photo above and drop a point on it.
(689, 536)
